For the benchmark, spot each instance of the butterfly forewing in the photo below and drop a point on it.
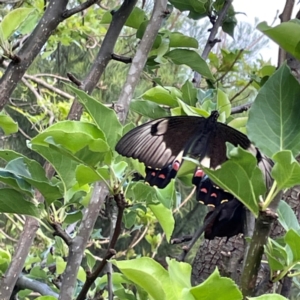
(158, 142)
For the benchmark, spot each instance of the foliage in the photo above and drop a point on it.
(82, 152)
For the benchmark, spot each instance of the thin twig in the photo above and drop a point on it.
(241, 91)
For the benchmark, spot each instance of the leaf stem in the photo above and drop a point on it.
(270, 197)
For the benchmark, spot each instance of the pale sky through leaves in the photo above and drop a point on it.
(264, 10)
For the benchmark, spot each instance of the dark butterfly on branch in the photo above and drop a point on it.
(161, 145)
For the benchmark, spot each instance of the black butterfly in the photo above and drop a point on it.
(160, 144)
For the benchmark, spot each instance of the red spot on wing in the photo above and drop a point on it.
(153, 173)
(199, 173)
(203, 190)
(213, 195)
(176, 165)
(162, 176)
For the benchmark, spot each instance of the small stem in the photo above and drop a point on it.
(270, 197)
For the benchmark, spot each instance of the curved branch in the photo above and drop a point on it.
(211, 39)
(140, 58)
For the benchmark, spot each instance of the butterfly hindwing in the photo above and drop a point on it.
(228, 222)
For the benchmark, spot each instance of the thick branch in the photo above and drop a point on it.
(284, 17)
(104, 56)
(121, 203)
(211, 39)
(140, 59)
(21, 251)
(31, 48)
(78, 244)
(34, 285)
(261, 233)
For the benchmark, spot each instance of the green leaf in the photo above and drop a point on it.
(241, 177)
(223, 103)
(74, 136)
(134, 20)
(180, 273)
(162, 95)
(285, 35)
(33, 173)
(178, 39)
(12, 201)
(286, 170)
(104, 117)
(13, 20)
(273, 118)
(189, 93)
(146, 273)
(148, 109)
(8, 125)
(276, 254)
(287, 217)
(167, 195)
(227, 289)
(191, 59)
(197, 9)
(165, 218)
(292, 238)
(64, 166)
(269, 297)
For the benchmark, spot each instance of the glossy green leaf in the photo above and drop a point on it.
(273, 118)
(241, 177)
(180, 273)
(178, 39)
(33, 173)
(12, 201)
(192, 59)
(223, 103)
(74, 136)
(146, 273)
(197, 9)
(286, 35)
(227, 289)
(162, 95)
(292, 238)
(85, 174)
(189, 93)
(104, 117)
(165, 218)
(13, 20)
(134, 20)
(286, 170)
(148, 109)
(64, 166)
(276, 254)
(287, 217)
(8, 125)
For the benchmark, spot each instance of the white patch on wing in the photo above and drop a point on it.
(162, 127)
(205, 162)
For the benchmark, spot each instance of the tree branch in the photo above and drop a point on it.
(252, 264)
(79, 8)
(31, 48)
(140, 59)
(104, 56)
(211, 39)
(24, 282)
(21, 251)
(121, 204)
(284, 17)
(78, 244)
